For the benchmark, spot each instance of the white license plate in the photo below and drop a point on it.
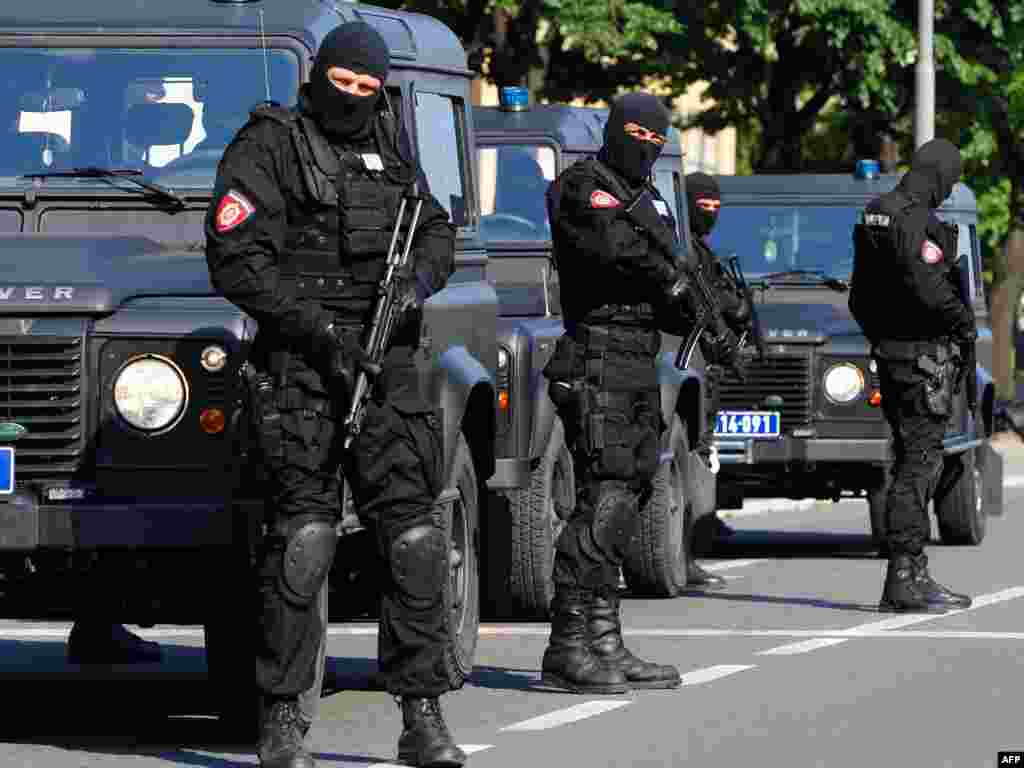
(748, 423)
(6, 470)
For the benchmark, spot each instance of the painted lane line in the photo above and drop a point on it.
(726, 565)
(1013, 481)
(469, 749)
(567, 715)
(898, 622)
(805, 646)
(708, 674)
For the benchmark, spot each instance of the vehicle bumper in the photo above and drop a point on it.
(788, 450)
(26, 523)
(509, 474)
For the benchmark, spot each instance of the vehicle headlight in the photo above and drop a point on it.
(150, 393)
(844, 383)
(502, 358)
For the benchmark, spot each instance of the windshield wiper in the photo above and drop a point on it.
(129, 174)
(835, 283)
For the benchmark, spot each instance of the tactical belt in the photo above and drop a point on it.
(630, 315)
(902, 349)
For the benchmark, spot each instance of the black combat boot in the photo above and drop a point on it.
(569, 663)
(605, 629)
(281, 735)
(936, 592)
(425, 740)
(105, 642)
(903, 592)
(698, 577)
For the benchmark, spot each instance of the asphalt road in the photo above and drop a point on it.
(791, 665)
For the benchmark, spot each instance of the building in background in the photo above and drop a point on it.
(710, 153)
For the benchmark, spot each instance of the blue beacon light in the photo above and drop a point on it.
(514, 98)
(867, 169)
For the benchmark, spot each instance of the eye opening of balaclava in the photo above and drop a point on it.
(634, 135)
(358, 47)
(935, 168)
(701, 186)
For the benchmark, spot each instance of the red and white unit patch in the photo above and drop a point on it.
(601, 199)
(930, 252)
(232, 210)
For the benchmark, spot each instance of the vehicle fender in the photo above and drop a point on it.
(467, 400)
(986, 399)
(543, 418)
(681, 393)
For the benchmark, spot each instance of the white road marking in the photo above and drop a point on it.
(1013, 481)
(805, 646)
(469, 749)
(897, 622)
(567, 715)
(726, 565)
(708, 674)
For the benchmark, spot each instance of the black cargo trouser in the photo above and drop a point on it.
(394, 471)
(613, 424)
(918, 457)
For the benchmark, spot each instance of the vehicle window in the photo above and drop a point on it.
(439, 132)
(963, 253)
(163, 111)
(513, 180)
(774, 239)
(975, 252)
(667, 183)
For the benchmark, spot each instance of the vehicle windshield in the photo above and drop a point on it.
(167, 112)
(770, 240)
(513, 180)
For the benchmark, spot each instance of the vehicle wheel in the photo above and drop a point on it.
(877, 495)
(656, 565)
(991, 463)
(961, 508)
(462, 592)
(538, 514)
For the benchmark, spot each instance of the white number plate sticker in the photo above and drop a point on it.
(748, 423)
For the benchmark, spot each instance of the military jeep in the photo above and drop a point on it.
(119, 364)
(520, 150)
(808, 423)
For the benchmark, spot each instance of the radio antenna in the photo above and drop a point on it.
(266, 63)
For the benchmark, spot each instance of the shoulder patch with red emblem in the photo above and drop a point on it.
(930, 252)
(232, 210)
(601, 199)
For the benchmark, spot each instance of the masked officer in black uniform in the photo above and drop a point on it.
(615, 249)
(704, 201)
(905, 257)
(304, 207)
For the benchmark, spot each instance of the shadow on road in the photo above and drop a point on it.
(152, 710)
(784, 545)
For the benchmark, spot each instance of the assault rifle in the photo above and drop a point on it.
(385, 315)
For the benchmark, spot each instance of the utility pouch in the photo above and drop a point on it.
(940, 378)
(264, 415)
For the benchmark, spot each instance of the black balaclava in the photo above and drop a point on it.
(934, 171)
(700, 186)
(630, 156)
(356, 46)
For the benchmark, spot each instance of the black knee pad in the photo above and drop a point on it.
(419, 562)
(307, 558)
(614, 519)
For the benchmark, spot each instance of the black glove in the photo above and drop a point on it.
(341, 354)
(724, 349)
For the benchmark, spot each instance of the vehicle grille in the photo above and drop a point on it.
(41, 389)
(786, 375)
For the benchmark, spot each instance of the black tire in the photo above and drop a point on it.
(877, 496)
(961, 509)
(537, 515)
(656, 564)
(462, 589)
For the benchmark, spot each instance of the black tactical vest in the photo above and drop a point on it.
(336, 247)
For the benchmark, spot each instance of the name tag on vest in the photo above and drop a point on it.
(876, 219)
(373, 162)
